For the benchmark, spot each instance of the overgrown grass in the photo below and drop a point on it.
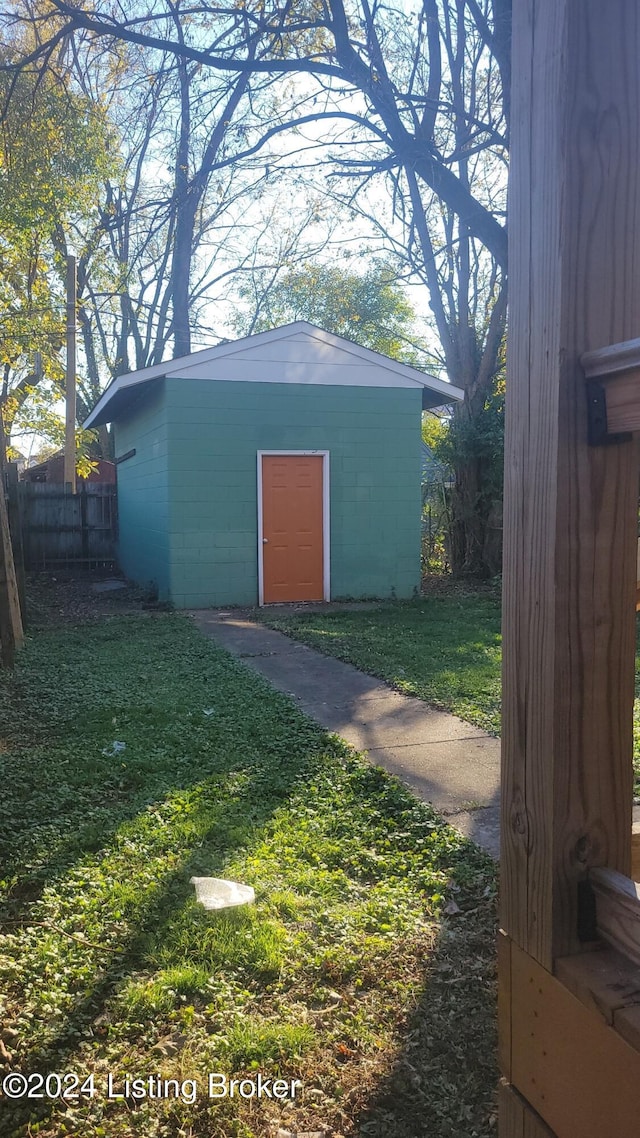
(366, 957)
(445, 649)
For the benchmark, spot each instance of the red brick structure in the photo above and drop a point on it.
(52, 470)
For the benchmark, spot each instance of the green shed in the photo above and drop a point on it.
(284, 466)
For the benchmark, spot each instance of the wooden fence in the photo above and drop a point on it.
(61, 529)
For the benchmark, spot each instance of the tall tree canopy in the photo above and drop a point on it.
(55, 146)
(390, 55)
(406, 108)
(369, 308)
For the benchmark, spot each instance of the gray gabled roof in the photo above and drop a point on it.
(294, 353)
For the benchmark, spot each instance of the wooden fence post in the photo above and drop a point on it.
(11, 633)
(84, 524)
(570, 507)
(15, 530)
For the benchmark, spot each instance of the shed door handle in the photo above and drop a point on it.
(265, 540)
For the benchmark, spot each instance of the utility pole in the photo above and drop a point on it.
(70, 420)
(11, 634)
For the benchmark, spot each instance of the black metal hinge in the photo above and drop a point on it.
(597, 430)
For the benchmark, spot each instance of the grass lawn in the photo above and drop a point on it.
(444, 648)
(364, 970)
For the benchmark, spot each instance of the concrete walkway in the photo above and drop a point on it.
(444, 760)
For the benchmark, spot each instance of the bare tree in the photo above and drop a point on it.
(156, 215)
(421, 94)
(350, 46)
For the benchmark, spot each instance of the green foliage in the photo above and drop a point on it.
(435, 433)
(108, 963)
(434, 553)
(471, 444)
(39, 416)
(436, 512)
(463, 439)
(252, 1043)
(369, 308)
(55, 145)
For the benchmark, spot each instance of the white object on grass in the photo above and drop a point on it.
(116, 748)
(216, 893)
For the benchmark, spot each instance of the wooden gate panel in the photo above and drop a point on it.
(577, 1073)
(60, 528)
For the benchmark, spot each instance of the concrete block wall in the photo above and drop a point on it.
(143, 492)
(214, 432)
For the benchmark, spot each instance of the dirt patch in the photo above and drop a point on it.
(58, 598)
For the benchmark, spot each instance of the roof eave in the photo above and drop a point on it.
(432, 398)
(439, 391)
(120, 399)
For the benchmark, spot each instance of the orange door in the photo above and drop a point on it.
(292, 543)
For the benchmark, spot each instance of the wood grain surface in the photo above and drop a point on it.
(573, 1069)
(570, 509)
(516, 1118)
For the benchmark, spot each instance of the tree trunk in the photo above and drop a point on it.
(476, 498)
(467, 522)
(183, 243)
